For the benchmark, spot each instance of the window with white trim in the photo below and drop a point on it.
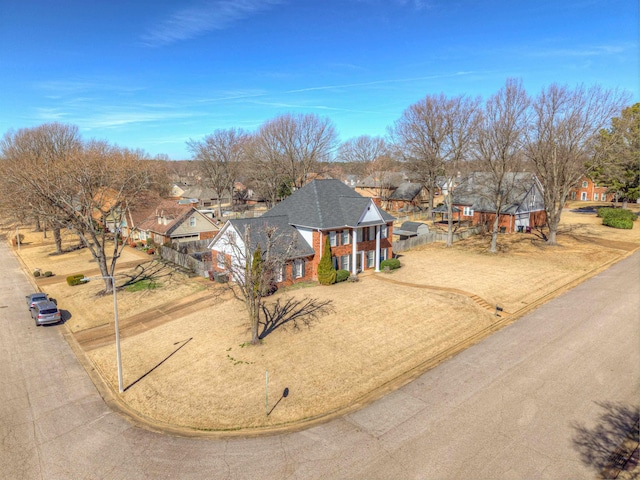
(467, 212)
(585, 184)
(383, 254)
(360, 234)
(298, 268)
(333, 239)
(344, 237)
(583, 196)
(372, 233)
(384, 231)
(595, 197)
(280, 274)
(344, 262)
(192, 221)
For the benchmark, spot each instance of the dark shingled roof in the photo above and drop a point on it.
(285, 234)
(477, 190)
(324, 204)
(406, 191)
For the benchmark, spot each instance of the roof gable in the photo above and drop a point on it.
(258, 229)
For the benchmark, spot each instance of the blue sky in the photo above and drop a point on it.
(152, 74)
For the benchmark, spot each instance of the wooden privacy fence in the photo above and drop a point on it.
(412, 242)
(186, 261)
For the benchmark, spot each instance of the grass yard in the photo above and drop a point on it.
(197, 370)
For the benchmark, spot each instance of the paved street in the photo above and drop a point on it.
(510, 407)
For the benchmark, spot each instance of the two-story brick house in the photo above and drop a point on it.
(588, 191)
(358, 230)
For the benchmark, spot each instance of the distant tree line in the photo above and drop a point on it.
(52, 177)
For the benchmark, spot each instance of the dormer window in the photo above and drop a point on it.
(192, 221)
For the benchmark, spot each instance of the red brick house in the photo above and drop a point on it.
(588, 191)
(359, 231)
(522, 209)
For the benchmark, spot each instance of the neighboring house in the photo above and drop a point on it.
(380, 186)
(588, 191)
(171, 222)
(177, 190)
(203, 197)
(522, 209)
(359, 231)
(408, 196)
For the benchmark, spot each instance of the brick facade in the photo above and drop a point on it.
(589, 191)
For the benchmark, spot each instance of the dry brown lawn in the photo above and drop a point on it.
(378, 332)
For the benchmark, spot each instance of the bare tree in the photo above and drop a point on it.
(261, 168)
(297, 143)
(419, 136)
(499, 146)
(89, 188)
(461, 118)
(363, 149)
(560, 141)
(219, 156)
(33, 156)
(256, 255)
(376, 158)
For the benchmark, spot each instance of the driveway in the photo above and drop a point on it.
(525, 403)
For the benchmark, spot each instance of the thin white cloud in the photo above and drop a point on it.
(587, 51)
(204, 17)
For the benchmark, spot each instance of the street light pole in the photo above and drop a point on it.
(115, 316)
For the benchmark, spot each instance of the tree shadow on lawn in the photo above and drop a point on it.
(611, 445)
(292, 312)
(150, 273)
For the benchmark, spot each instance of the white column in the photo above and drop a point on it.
(377, 248)
(354, 252)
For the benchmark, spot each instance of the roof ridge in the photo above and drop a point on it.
(317, 201)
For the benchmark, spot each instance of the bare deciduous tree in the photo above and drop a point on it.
(419, 136)
(461, 118)
(560, 141)
(375, 156)
(260, 168)
(499, 146)
(219, 156)
(256, 254)
(297, 143)
(87, 187)
(33, 156)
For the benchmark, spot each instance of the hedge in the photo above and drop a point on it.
(392, 263)
(75, 279)
(618, 223)
(342, 275)
(617, 217)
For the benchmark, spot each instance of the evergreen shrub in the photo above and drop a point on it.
(342, 275)
(74, 280)
(326, 270)
(392, 263)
